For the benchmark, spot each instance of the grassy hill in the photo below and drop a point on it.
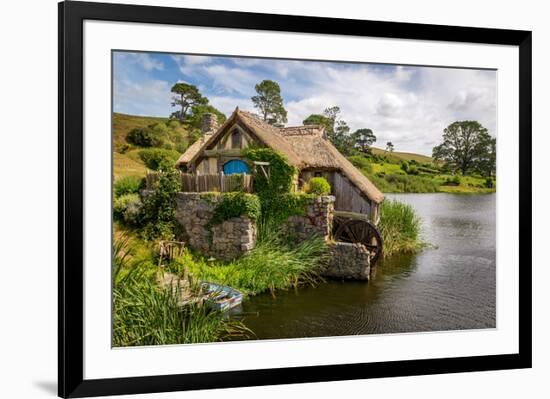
(127, 159)
(122, 124)
(406, 156)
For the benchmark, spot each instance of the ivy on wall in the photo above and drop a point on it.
(281, 172)
(275, 193)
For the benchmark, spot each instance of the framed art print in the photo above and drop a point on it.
(252, 199)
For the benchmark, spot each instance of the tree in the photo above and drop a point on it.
(487, 163)
(317, 119)
(363, 139)
(389, 147)
(194, 119)
(185, 96)
(337, 129)
(341, 138)
(270, 103)
(466, 146)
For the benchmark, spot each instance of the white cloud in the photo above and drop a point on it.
(389, 105)
(197, 59)
(228, 104)
(409, 106)
(151, 97)
(405, 105)
(145, 61)
(232, 80)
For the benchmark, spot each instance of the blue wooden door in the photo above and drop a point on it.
(235, 166)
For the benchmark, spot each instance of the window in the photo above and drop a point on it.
(236, 139)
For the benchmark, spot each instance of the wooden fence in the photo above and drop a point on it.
(197, 183)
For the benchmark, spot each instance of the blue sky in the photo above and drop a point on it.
(409, 106)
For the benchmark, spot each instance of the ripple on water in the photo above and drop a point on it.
(452, 287)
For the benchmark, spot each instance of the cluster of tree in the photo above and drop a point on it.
(192, 105)
(339, 134)
(467, 147)
(269, 103)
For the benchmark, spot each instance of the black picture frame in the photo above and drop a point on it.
(70, 223)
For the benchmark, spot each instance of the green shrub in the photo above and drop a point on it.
(405, 166)
(318, 186)
(489, 182)
(127, 185)
(235, 205)
(154, 158)
(361, 162)
(452, 181)
(123, 148)
(158, 213)
(145, 137)
(400, 228)
(413, 170)
(123, 203)
(277, 210)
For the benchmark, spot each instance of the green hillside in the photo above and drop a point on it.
(169, 138)
(407, 156)
(122, 124)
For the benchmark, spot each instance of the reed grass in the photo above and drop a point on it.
(274, 264)
(400, 228)
(146, 314)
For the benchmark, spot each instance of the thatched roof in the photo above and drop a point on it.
(316, 151)
(304, 146)
(193, 149)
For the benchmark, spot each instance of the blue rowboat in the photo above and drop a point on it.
(220, 297)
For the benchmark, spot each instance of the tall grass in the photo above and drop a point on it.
(146, 314)
(274, 264)
(400, 228)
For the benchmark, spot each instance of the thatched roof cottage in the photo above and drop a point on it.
(306, 147)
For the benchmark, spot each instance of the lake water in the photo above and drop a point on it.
(448, 287)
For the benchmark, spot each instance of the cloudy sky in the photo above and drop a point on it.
(409, 106)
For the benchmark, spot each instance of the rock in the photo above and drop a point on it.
(348, 261)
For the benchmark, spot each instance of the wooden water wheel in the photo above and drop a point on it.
(356, 228)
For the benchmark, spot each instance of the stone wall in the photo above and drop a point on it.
(235, 237)
(228, 240)
(348, 261)
(316, 221)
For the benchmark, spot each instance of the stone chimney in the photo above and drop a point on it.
(209, 123)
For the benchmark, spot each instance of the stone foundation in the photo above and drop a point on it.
(233, 238)
(228, 240)
(237, 236)
(348, 261)
(316, 221)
